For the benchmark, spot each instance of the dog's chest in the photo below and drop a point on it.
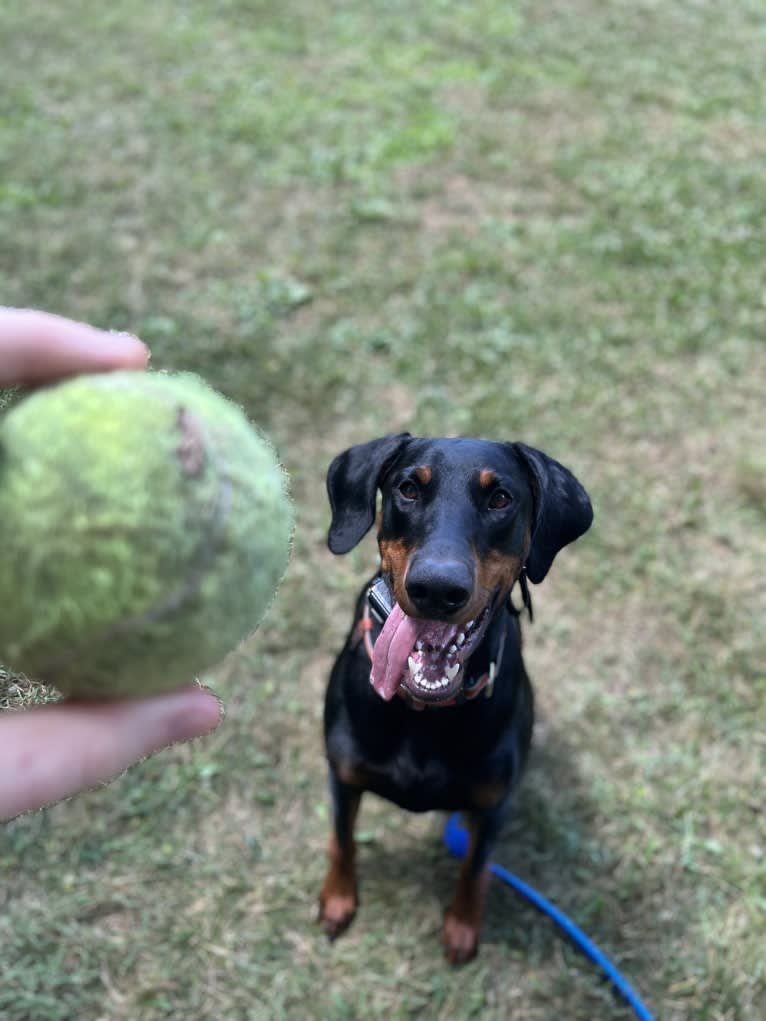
(416, 785)
(426, 769)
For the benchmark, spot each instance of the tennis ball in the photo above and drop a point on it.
(144, 529)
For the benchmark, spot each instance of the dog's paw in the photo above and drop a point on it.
(460, 939)
(336, 912)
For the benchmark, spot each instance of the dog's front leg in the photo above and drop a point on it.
(339, 899)
(462, 923)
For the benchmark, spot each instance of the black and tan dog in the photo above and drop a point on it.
(432, 707)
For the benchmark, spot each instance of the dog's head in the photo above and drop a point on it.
(460, 520)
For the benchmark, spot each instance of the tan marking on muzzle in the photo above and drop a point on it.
(498, 572)
(395, 562)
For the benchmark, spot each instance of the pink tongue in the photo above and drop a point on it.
(395, 643)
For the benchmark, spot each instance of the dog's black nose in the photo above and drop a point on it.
(439, 588)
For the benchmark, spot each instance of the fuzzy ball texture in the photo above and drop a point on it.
(144, 529)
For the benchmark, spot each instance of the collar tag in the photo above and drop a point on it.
(380, 599)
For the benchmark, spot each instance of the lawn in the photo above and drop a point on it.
(518, 220)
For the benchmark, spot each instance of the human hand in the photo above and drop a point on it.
(51, 752)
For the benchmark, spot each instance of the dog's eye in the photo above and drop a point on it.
(409, 490)
(500, 499)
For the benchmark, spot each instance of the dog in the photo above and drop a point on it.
(428, 704)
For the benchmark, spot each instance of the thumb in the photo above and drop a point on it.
(54, 751)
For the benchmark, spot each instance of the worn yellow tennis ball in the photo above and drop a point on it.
(144, 529)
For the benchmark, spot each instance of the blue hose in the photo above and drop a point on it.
(456, 842)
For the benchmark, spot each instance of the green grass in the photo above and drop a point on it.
(518, 220)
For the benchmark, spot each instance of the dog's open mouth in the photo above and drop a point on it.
(425, 657)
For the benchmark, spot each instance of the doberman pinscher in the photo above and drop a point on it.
(429, 704)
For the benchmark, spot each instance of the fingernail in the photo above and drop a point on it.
(200, 713)
(132, 341)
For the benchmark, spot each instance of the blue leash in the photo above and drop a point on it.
(456, 842)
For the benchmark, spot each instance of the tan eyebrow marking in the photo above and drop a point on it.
(487, 478)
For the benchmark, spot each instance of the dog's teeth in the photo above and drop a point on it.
(412, 665)
(460, 639)
(451, 672)
(419, 645)
(470, 624)
(452, 649)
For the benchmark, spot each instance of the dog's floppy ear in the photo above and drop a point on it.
(352, 483)
(562, 509)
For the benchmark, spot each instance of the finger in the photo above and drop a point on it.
(55, 751)
(36, 347)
